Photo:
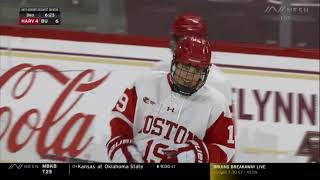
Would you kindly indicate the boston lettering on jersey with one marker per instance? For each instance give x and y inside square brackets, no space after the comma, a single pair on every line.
[162,127]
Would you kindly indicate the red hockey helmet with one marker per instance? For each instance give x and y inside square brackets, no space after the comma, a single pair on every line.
[189,25]
[190,65]
[194,51]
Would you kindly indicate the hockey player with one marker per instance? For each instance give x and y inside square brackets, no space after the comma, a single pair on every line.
[173,117]
[193,25]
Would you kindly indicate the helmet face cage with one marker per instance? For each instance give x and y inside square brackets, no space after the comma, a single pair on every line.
[178,78]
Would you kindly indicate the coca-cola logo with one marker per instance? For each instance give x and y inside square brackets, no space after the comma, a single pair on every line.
[55,114]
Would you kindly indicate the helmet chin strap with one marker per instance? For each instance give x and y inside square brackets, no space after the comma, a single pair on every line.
[173,46]
[183,90]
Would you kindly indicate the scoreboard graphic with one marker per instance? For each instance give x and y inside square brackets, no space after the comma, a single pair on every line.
[39,16]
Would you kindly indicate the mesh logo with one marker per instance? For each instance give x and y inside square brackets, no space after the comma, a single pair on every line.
[15,166]
[286,10]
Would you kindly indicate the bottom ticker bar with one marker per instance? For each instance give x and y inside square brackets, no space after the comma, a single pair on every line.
[169,171]
[106,169]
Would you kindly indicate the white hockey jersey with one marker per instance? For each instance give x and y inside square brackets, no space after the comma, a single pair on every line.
[153,118]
